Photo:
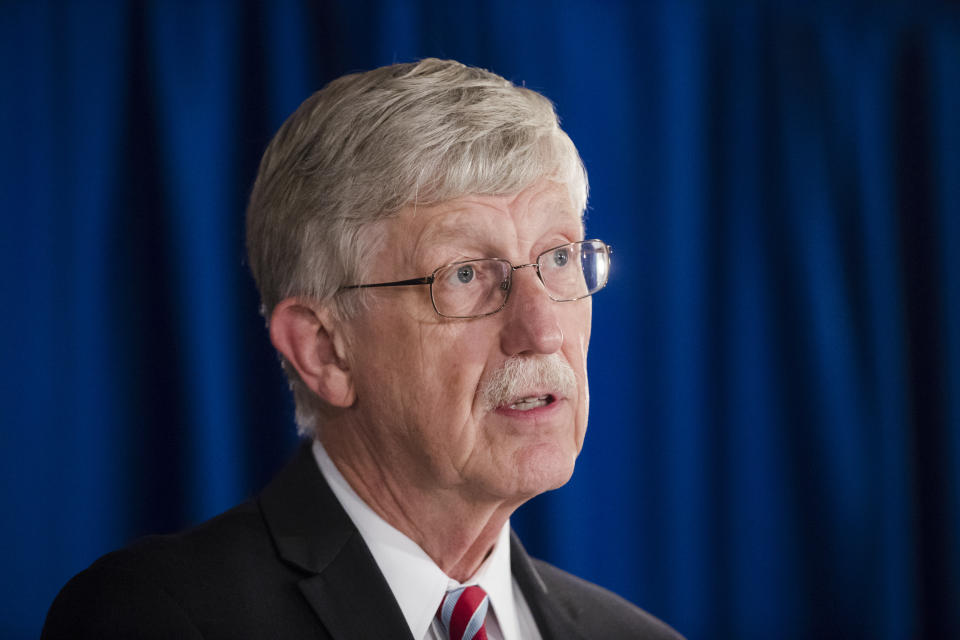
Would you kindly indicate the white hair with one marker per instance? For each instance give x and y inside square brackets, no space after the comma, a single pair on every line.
[369,144]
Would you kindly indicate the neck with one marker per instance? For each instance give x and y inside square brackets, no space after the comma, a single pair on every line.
[458,532]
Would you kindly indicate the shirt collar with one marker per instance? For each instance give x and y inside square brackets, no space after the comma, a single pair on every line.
[417,583]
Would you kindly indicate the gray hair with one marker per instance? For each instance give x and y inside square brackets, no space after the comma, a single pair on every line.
[369,144]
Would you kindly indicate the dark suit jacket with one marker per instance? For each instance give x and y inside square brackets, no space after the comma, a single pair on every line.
[291,564]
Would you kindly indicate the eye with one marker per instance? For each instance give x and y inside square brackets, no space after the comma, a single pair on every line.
[465,273]
[561,256]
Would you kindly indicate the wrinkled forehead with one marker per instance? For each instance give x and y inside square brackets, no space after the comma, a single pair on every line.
[529,213]
[507,226]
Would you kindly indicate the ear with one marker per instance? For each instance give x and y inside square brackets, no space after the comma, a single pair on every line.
[311,340]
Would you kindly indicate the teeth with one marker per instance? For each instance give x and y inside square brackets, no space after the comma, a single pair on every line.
[526,404]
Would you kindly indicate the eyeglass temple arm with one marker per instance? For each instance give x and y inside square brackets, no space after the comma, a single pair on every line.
[398,283]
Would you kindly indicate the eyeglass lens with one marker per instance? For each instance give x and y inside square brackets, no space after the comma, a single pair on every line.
[479,287]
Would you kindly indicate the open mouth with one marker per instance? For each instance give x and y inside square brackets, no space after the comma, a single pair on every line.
[532,402]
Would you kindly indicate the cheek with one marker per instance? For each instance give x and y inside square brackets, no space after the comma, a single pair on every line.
[448,366]
[586,323]
[388,363]
[576,335]
[456,364]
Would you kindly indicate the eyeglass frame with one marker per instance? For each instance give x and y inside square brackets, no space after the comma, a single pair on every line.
[429,280]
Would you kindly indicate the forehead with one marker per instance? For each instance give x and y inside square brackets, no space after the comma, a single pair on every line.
[542,212]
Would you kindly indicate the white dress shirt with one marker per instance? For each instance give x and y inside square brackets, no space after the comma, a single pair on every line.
[418,584]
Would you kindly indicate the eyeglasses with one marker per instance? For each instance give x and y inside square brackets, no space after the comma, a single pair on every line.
[481,287]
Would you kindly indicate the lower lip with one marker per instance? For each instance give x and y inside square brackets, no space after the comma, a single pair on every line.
[531,414]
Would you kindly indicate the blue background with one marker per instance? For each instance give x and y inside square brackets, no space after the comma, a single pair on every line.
[775,426]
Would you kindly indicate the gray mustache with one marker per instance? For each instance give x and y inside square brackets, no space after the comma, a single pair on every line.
[520,374]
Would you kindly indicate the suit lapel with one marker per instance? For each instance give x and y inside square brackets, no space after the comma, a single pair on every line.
[343,584]
[553,620]
[353,599]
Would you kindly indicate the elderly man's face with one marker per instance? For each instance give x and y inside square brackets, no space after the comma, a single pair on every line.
[419,376]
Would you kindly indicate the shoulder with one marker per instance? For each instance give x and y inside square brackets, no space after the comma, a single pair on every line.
[174,585]
[224,546]
[595,608]
[109,600]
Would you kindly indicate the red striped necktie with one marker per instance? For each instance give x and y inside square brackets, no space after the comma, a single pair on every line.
[463,612]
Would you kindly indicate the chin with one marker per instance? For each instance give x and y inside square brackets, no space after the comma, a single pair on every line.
[543,468]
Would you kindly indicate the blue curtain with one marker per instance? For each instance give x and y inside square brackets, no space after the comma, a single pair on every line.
[774,449]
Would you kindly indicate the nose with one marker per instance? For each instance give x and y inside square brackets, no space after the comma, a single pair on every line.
[531,323]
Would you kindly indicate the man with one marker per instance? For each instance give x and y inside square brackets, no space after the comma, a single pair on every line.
[416,236]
